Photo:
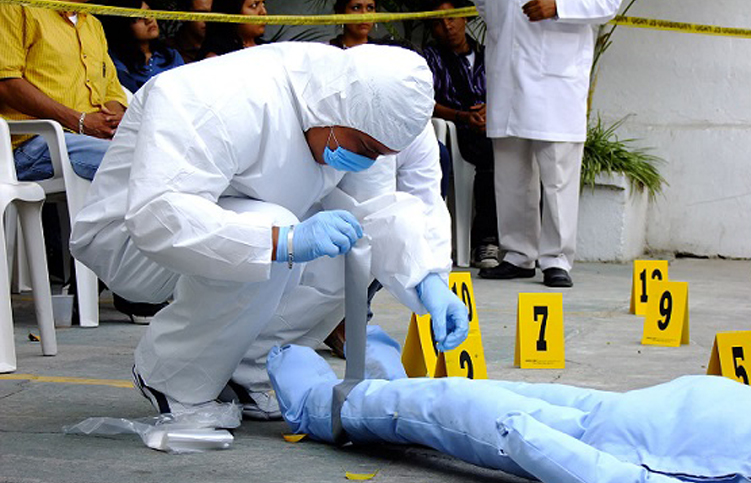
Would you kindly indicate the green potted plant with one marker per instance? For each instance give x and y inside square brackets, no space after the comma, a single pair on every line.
[618,180]
[606,154]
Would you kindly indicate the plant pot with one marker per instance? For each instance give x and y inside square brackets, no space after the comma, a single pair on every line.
[612,221]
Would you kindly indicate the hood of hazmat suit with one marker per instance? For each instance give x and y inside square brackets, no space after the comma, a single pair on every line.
[233,126]
[383,91]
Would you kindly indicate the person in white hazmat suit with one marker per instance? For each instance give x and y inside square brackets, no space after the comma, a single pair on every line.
[693,428]
[310,311]
[205,184]
[538,61]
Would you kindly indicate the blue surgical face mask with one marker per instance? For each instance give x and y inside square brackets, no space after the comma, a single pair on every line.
[345,160]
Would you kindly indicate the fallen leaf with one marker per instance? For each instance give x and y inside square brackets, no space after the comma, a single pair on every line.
[360,476]
[293,438]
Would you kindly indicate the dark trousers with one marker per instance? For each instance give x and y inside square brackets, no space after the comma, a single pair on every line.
[478,150]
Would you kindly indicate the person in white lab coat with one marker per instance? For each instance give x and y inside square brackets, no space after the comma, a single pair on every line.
[207,180]
[538,60]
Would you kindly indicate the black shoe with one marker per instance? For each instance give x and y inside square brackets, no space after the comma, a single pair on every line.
[557,277]
[139,313]
[507,271]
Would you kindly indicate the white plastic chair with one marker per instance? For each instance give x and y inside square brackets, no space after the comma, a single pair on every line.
[27,198]
[66,181]
[463,192]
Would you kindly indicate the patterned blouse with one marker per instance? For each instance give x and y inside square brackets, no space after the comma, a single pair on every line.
[456,84]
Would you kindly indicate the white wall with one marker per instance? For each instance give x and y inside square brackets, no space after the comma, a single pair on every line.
[689,97]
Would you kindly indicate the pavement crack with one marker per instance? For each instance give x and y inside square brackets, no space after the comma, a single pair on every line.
[20,388]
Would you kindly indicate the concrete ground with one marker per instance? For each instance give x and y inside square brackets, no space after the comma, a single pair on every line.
[603,351]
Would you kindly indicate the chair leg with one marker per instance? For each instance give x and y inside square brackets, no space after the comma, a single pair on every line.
[7,342]
[463,203]
[10,229]
[20,276]
[87,285]
[64,220]
[31,223]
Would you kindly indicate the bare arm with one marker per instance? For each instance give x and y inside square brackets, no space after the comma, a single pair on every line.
[274,241]
[115,107]
[24,97]
[450,114]
[475,117]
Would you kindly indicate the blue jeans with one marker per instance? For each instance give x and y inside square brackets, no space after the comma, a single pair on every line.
[33,162]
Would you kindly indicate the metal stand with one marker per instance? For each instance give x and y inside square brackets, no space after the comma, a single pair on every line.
[356,278]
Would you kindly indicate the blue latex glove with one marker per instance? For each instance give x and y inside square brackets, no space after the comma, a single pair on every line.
[448,313]
[329,233]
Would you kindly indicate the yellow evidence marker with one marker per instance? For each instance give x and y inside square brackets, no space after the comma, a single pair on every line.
[420,356]
[539,331]
[666,322]
[645,271]
[731,356]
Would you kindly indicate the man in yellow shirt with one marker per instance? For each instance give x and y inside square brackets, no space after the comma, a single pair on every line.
[54,65]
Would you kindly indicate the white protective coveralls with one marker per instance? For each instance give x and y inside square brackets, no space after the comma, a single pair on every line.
[206,160]
[310,311]
[691,429]
[538,80]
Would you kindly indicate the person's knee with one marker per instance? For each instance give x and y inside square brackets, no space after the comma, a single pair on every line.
[86,153]
[32,159]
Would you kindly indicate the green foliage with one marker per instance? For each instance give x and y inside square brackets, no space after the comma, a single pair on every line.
[605,153]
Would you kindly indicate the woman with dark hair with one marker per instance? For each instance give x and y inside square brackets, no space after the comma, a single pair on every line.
[189,37]
[135,47]
[222,38]
[353,33]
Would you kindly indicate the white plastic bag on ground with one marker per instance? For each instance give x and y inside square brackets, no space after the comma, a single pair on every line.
[189,432]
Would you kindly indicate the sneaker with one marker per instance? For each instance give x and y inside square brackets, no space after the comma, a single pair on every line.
[212,413]
[139,313]
[506,271]
[141,319]
[258,406]
[485,256]
[557,278]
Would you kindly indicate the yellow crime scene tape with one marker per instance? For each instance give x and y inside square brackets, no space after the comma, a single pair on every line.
[635,22]
[67,380]
[253,19]
[691,28]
